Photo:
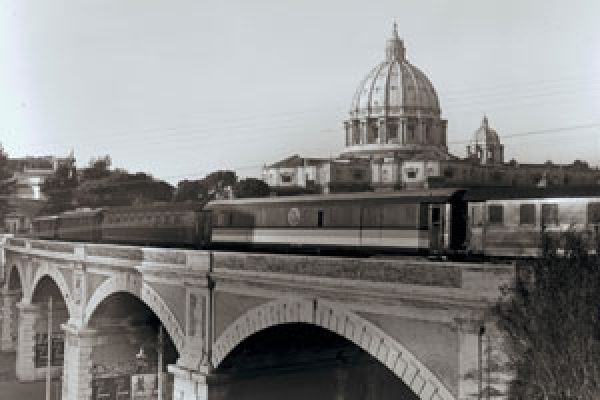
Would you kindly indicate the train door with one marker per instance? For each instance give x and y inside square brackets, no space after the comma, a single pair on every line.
[436,227]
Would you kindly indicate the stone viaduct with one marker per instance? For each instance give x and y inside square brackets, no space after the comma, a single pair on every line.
[418,319]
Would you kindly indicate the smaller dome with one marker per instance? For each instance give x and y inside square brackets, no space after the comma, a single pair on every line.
[485,134]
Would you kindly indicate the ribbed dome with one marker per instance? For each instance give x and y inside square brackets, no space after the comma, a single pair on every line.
[395,87]
[395,111]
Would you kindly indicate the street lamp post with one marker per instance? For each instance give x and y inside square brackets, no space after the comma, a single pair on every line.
[159,369]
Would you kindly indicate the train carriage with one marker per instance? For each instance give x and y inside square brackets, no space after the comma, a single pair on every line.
[170,224]
[510,222]
[44,227]
[418,221]
[79,225]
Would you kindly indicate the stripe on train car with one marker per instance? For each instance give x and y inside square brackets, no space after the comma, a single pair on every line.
[341,237]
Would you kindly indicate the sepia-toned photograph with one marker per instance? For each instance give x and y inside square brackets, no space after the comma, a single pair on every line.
[324,200]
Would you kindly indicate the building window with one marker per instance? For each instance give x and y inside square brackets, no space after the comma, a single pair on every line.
[286,178]
[527,214]
[549,214]
[496,214]
[412,173]
[320,218]
[392,133]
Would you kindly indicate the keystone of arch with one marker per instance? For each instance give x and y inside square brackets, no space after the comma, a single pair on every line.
[146,294]
[333,317]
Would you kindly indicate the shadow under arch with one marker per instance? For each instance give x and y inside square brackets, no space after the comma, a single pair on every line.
[147,295]
[14,278]
[392,354]
[58,279]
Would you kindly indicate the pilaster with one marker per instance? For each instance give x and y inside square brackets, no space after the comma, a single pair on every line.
[77,368]
[192,385]
[25,364]
[8,330]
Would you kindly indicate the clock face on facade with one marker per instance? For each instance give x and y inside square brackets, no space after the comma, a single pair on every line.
[293,216]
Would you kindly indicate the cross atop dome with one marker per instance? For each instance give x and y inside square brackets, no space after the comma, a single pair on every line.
[395,47]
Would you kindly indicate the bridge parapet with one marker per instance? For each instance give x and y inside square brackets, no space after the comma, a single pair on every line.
[113,255]
[468,281]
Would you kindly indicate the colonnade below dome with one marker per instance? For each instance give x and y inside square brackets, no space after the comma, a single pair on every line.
[369,134]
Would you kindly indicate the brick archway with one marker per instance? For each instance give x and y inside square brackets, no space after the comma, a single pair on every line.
[145,294]
[345,323]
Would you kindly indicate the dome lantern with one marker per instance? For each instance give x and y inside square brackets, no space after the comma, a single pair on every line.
[395,47]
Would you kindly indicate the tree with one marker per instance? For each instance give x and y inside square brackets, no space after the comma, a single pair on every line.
[59,189]
[214,185]
[251,187]
[551,322]
[98,168]
[121,188]
[7,184]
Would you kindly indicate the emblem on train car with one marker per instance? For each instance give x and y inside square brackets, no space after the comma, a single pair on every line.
[293,216]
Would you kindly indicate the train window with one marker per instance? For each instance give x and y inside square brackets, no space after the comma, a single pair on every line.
[549,214]
[593,213]
[320,218]
[495,214]
[527,214]
[436,216]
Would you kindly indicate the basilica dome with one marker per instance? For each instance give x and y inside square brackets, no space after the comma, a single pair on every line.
[395,109]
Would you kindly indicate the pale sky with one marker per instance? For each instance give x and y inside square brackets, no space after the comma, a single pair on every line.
[181,88]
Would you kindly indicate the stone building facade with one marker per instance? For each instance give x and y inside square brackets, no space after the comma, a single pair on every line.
[29,174]
[395,138]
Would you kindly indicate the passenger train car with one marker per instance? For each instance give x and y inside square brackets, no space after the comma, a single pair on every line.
[501,222]
[509,222]
[407,221]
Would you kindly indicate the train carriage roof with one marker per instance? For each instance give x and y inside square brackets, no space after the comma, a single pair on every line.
[157,207]
[45,218]
[81,213]
[404,196]
[514,193]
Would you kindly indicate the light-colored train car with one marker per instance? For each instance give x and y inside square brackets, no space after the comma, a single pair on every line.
[415,221]
[511,222]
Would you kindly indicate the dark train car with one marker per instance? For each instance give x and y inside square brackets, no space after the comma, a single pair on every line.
[44,227]
[170,224]
[79,225]
[415,221]
[508,222]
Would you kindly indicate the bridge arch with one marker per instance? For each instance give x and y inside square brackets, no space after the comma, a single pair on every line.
[58,278]
[145,294]
[391,353]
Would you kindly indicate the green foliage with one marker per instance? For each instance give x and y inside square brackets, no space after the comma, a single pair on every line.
[59,189]
[213,186]
[7,185]
[551,322]
[98,168]
[251,187]
[121,188]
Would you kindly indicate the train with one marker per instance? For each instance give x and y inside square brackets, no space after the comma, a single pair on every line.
[483,222]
